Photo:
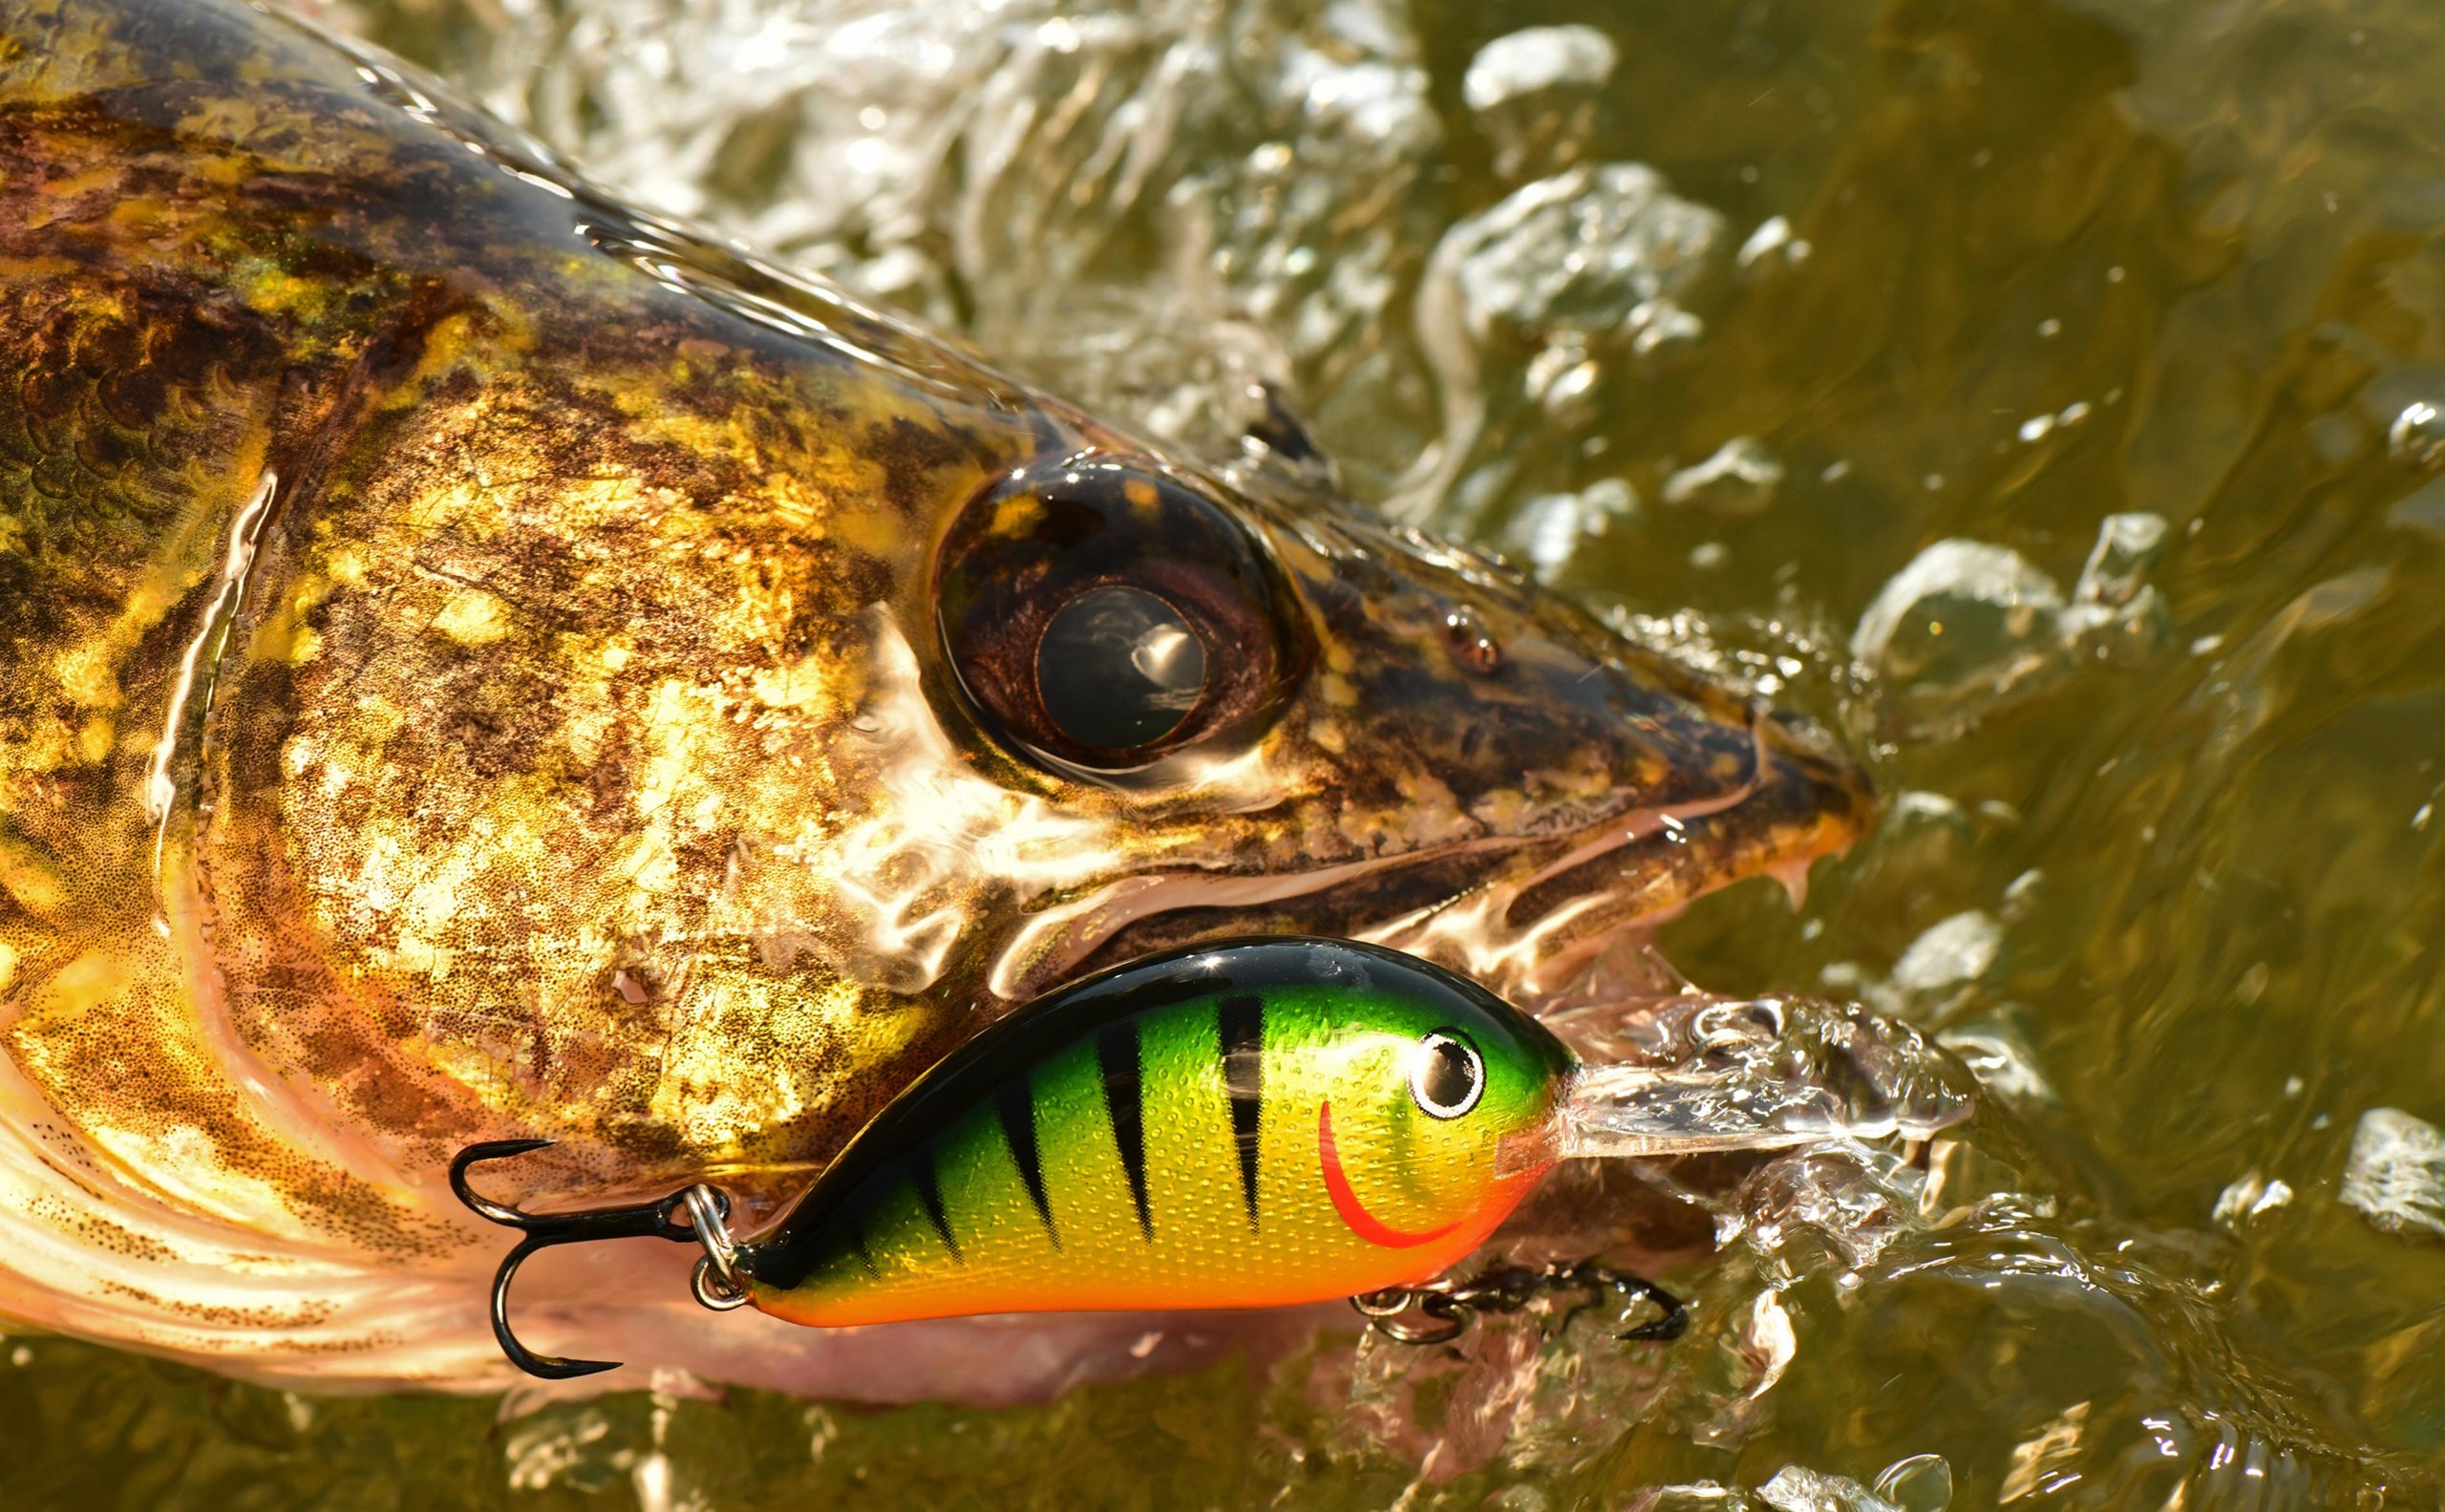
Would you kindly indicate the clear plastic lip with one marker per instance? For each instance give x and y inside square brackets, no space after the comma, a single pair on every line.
[1696,1074]
[1527,1151]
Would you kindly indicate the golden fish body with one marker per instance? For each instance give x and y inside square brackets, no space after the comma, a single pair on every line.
[474,664]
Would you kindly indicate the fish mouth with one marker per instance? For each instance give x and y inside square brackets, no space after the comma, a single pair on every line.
[1795,804]
[1353,1212]
[1526,916]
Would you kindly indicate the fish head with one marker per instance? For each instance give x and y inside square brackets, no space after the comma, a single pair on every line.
[1280,711]
[680,785]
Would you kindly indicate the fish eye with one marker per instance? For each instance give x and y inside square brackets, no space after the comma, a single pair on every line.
[1102,615]
[1449,1076]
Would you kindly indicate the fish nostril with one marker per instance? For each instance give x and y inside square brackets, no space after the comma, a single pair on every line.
[1473,645]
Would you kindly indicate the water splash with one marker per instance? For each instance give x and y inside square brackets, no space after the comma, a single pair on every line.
[1969,627]
[1537,93]
[1590,270]
[1963,627]
[1739,479]
[2395,1175]
[1706,1073]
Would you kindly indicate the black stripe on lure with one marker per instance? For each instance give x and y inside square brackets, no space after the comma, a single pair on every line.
[1244,1124]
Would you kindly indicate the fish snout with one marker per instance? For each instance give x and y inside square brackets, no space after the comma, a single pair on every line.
[1441,671]
[1595,783]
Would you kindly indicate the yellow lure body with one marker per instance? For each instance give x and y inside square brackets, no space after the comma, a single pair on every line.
[1254,1123]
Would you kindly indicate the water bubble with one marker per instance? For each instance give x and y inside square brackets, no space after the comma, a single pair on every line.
[2253,1196]
[2114,614]
[1771,244]
[1537,94]
[1796,1489]
[1562,380]
[1602,248]
[1835,1203]
[1550,528]
[1944,961]
[1996,1046]
[1660,327]
[2127,548]
[2023,896]
[2417,435]
[1962,628]
[1919,1483]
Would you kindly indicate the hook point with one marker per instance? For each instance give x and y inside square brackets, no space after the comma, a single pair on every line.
[474,1155]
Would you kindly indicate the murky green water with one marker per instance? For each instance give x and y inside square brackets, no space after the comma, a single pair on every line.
[2162,856]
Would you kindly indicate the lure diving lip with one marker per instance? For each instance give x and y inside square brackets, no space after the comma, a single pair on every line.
[1247,1123]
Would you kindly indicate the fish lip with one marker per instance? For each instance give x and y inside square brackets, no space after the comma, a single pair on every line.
[1564,900]
[1527,937]
[1345,1202]
[1522,964]
[1796,803]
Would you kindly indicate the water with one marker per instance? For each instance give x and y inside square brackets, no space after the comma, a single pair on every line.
[2045,393]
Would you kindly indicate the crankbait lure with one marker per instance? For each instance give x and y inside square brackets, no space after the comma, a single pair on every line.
[1238,1125]
[1244,1124]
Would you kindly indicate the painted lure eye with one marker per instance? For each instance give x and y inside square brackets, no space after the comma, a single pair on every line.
[1449,1076]
[1102,615]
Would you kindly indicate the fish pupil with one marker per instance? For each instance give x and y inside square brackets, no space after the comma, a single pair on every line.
[1119,667]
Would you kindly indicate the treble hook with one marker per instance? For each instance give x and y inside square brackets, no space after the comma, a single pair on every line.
[1449,1307]
[717,1283]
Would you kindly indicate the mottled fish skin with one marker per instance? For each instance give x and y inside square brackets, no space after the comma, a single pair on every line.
[468,669]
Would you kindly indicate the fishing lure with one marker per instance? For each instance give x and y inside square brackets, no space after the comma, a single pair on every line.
[1246,1124]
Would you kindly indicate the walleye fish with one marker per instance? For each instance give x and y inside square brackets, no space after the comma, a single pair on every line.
[480,662]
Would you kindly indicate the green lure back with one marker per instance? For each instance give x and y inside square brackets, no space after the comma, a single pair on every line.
[1243,1124]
